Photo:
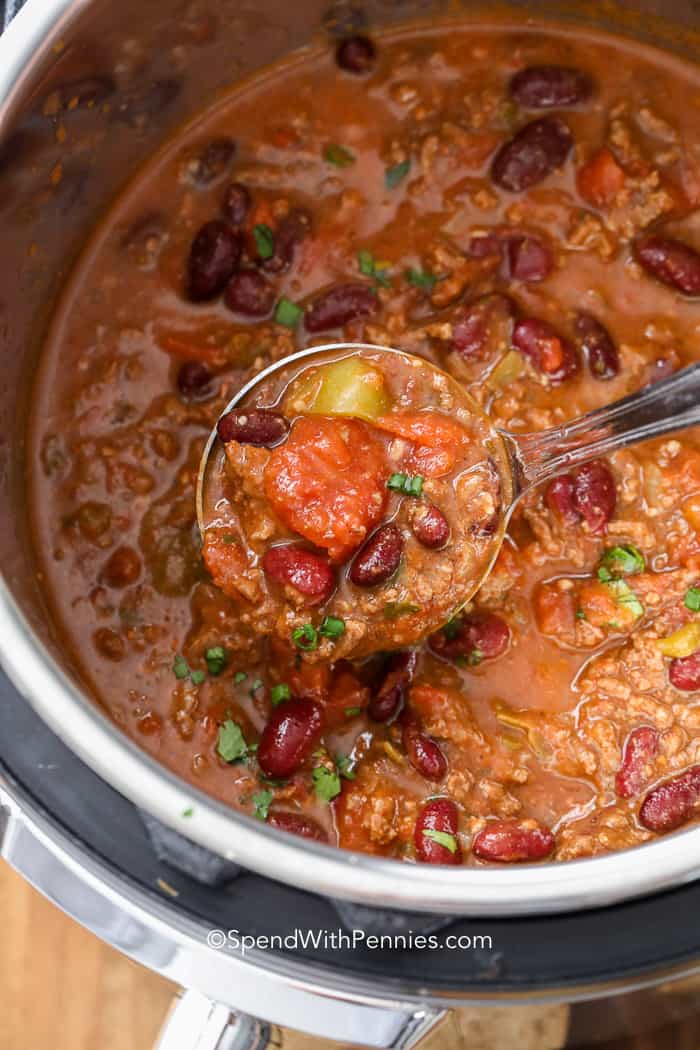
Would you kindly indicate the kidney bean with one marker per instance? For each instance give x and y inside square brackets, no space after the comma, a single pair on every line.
[508,842]
[684,673]
[430,527]
[531,155]
[308,573]
[474,637]
[379,558]
[250,293]
[193,379]
[236,204]
[441,815]
[559,497]
[297,824]
[122,568]
[356,54]
[291,230]
[214,257]
[672,803]
[528,258]
[386,702]
[252,426]
[212,162]
[339,305]
[595,495]
[289,737]
[545,87]
[641,747]
[670,261]
[424,754]
[551,354]
[598,346]
[483,328]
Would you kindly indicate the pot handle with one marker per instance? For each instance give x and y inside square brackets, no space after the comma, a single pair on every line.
[194,1022]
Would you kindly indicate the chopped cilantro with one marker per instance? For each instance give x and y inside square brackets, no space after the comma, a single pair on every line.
[261,801]
[443,838]
[625,597]
[692,599]
[240,676]
[180,668]
[197,677]
[332,627]
[288,313]
[371,268]
[229,540]
[339,156]
[421,279]
[344,765]
[352,712]
[256,684]
[189,812]
[326,783]
[580,614]
[452,629]
[264,240]
[475,657]
[408,484]
[396,174]
[279,693]
[216,659]
[231,744]
[625,560]
[305,638]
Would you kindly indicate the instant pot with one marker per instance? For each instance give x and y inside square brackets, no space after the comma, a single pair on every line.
[260,928]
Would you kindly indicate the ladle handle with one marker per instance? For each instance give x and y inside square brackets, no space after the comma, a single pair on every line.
[668,406]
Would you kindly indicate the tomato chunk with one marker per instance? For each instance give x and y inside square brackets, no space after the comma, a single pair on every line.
[437,441]
[327,482]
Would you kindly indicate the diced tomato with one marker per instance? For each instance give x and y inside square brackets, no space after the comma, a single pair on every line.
[327,482]
[228,565]
[437,441]
[346,693]
[600,179]
[190,349]
[555,610]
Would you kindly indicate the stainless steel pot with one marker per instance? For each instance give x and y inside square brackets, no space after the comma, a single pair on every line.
[153,77]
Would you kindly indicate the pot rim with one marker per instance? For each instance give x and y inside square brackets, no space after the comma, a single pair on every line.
[326,870]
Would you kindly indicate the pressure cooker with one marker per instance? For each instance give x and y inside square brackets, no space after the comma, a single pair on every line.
[258,927]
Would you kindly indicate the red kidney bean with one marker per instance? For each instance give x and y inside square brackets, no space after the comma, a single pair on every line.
[122,568]
[485,245]
[641,747]
[551,354]
[424,754]
[597,344]
[672,803]
[356,54]
[546,87]
[474,637]
[684,673]
[308,573]
[194,379]
[289,737]
[528,258]
[339,305]
[483,328]
[559,497]
[532,154]
[670,261]
[379,558]
[214,257]
[236,204]
[297,824]
[213,161]
[386,702]
[291,230]
[595,495]
[250,293]
[508,841]
[430,527]
[441,815]
[252,426]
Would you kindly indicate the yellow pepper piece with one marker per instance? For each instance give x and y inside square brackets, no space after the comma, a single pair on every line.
[349,387]
[682,642]
[508,369]
[393,753]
